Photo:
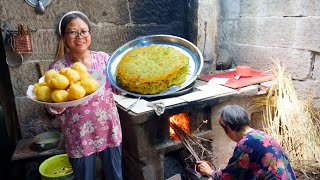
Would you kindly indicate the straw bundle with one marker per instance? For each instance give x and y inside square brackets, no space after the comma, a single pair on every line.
[294,123]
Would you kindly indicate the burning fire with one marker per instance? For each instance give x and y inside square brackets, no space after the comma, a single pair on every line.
[181,120]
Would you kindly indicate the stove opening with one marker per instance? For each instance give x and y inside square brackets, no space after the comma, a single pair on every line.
[179,162]
[186,121]
[182,120]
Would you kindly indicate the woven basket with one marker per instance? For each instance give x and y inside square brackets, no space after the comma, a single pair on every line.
[22,44]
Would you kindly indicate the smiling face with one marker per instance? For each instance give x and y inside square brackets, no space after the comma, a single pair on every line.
[79,44]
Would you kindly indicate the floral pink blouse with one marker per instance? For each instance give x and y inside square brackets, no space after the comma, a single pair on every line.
[94,126]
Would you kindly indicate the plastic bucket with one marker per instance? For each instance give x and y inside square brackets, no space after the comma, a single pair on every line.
[57,167]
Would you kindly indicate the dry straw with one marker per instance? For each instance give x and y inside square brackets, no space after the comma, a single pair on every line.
[293,122]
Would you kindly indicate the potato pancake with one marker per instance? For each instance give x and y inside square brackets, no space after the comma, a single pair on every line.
[152,69]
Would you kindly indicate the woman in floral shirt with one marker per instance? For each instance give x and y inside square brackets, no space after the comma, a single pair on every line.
[256,156]
[93,127]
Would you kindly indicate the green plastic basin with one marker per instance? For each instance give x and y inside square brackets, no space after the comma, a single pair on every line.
[56,167]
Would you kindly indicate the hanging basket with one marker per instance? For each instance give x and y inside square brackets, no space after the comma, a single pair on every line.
[22,44]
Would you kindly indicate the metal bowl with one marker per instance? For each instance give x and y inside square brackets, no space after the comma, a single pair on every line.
[183,45]
[46,140]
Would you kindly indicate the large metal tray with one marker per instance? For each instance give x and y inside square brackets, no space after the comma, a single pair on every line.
[183,45]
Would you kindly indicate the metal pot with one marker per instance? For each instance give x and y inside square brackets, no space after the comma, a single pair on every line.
[46,140]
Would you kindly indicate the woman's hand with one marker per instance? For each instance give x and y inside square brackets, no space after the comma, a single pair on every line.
[59,110]
[205,168]
[116,91]
[55,110]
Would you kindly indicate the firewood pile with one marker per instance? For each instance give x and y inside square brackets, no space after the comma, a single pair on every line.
[193,144]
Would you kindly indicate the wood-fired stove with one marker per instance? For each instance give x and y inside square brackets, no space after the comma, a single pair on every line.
[146,136]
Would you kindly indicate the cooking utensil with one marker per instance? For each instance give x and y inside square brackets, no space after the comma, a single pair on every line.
[34,3]
[237,77]
[20,29]
[46,140]
[183,45]
[40,8]
[14,59]
[256,77]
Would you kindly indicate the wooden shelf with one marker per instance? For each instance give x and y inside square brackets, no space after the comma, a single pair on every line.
[25,150]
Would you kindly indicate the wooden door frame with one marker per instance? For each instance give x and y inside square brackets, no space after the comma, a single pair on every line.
[7,99]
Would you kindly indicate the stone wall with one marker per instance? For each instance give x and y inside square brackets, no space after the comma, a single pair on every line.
[114,22]
[255,32]
[222,145]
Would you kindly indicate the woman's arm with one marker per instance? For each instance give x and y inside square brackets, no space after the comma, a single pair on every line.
[238,163]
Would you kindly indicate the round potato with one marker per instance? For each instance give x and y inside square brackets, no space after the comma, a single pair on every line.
[37,85]
[58,81]
[49,74]
[58,96]
[43,93]
[90,85]
[81,69]
[72,75]
[76,91]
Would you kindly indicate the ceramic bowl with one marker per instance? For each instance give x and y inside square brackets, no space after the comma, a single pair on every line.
[245,71]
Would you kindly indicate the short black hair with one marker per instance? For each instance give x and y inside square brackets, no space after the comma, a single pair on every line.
[235,117]
[70,17]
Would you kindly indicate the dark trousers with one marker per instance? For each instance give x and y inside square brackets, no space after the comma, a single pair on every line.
[84,168]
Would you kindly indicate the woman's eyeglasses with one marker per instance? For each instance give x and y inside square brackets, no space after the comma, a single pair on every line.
[74,34]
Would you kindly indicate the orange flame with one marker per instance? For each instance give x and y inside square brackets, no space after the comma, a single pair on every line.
[182,120]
